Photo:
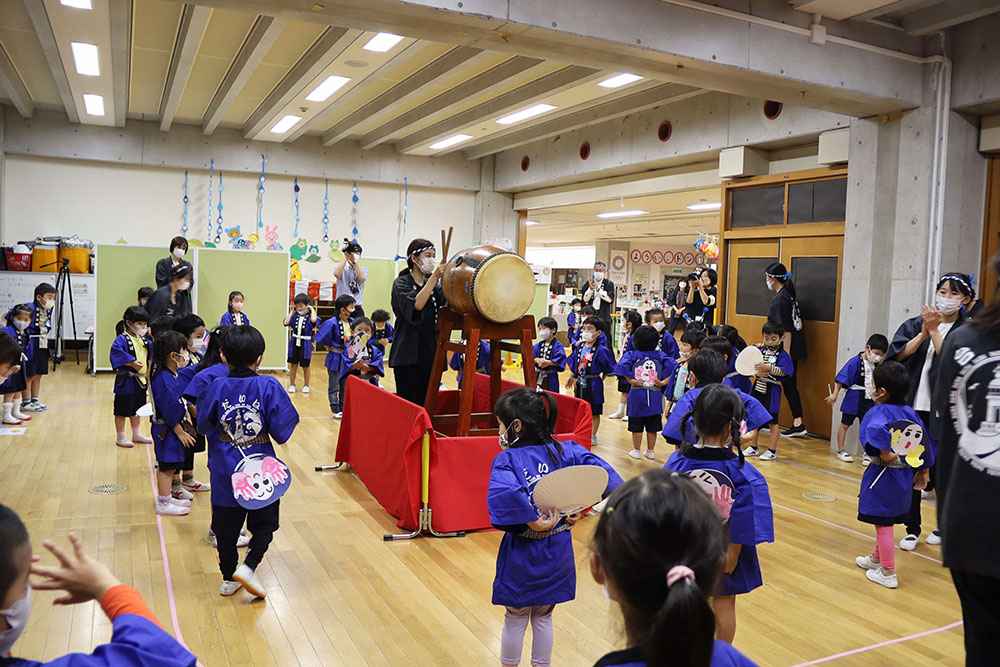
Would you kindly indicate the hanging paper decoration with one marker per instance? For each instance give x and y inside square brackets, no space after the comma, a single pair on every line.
[406,208]
[211,173]
[218,221]
[295,187]
[354,212]
[708,245]
[184,227]
[326,212]
[260,192]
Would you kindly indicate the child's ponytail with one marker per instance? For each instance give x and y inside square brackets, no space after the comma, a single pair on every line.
[682,631]
[166,343]
[737,428]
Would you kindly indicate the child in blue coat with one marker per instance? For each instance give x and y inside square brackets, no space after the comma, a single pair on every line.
[18,321]
[738,490]
[362,358]
[129,358]
[589,364]
[234,315]
[856,378]
[242,414]
[535,566]
[573,320]
[302,321]
[902,452]
[776,367]
[656,552]
[647,371]
[631,321]
[41,325]
[172,429]
[383,332]
[668,344]
[457,361]
[550,355]
[336,334]
[678,384]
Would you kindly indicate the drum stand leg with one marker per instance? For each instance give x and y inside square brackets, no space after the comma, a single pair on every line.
[424,518]
[335,466]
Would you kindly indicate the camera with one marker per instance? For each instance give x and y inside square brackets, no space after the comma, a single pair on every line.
[692,277]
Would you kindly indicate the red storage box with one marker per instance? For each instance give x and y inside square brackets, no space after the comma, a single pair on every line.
[19,261]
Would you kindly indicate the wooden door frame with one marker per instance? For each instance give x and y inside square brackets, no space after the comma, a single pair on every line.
[991,228]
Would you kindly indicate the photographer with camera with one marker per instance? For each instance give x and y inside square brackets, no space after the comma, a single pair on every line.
[351,277]
[701,295]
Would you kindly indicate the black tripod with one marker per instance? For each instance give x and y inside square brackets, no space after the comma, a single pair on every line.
[63,285]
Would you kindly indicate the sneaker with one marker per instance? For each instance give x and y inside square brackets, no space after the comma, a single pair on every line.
[635,453]
[617,414]
[180,502]
[179,492]
[338,415]
[650,454]
[909,543]
[122,440]
[142,439]
[229,587]
[249,579]
[243,540]
[934,537]
[16,414]
[880,577]
[14,422]
[750,451]
[768,455]
[866,461]
[795,431]
[305,389]
[194,486]
[169,509]
[34,405]
[844,456]
[210,539]
[868,563]
[593,441]
[291,389]
[927,495]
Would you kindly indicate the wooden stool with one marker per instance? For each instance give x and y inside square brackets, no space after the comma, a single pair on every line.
[474,329]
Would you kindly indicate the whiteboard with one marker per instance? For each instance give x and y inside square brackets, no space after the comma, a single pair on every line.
[19,287]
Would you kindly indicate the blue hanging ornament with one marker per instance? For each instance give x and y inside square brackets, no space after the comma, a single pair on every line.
[184,227]
[218,229]
[260,191]
[354,212]
[406,209]
[326,212]
[295,187]
[211,173]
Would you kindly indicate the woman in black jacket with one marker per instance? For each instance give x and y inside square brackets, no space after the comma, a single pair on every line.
[966,422]
[173,298]
[178,248]
[784,310]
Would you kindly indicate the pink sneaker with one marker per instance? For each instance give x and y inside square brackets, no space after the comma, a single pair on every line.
[141,439]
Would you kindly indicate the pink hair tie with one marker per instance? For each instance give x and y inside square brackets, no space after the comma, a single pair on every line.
[679,572]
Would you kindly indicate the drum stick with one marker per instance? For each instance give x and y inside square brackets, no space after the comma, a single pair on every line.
[446,243]
[878,478]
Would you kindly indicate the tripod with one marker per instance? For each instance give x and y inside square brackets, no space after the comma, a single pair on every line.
[63,285]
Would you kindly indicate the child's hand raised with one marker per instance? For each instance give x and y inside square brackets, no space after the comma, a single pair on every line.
[82,578]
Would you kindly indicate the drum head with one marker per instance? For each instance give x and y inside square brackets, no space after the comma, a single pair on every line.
[503,288]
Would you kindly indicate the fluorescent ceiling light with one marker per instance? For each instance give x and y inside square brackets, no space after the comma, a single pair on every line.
[331,85]
[450,141]
[88,62]
[94,104]
[530,222]
[622,214]
[524,114]
[285,124]
[619,81]
[705,206]
[77,4]
[382,42]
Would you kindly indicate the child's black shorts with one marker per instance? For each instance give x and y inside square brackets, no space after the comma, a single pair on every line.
[623,385]
[650,424]
[863,407]
[126,405]
[297,357]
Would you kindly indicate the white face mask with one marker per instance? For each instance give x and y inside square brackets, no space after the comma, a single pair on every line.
[544,334]
[50,304]
[947,304]
[504,442]
[198,344]
[185,286]
[427,265]
[17,619]
[770,285]
[21,325]
[659,326]
[185,360]
[684,355]
[140,331]
[577,309]
[179,252]
[588,336]
[237,306]
[875,358]
[598,275]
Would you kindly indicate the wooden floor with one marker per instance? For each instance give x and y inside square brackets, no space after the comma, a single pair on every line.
[339,595]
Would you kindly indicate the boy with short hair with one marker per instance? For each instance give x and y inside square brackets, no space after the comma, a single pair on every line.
[550,355]
[776,367]
[301,321]
[38,331]
[856,377]
[655,318]
[589,364]
[362,358]
[336,334]
[677,386]
[382,333]
[647,370]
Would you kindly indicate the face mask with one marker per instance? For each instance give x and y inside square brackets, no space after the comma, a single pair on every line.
[684,355]
[238,306]
[875,358]
[504,443]
[427,265]
[185,286]
[947,305]
[576,309]
[659,326]
[178,252]
[140,331]
[185,360]
[770,287]
[17,619]
[598,276]
[21,325]
[50,304]
[587,336]
[544,334]
[198,344]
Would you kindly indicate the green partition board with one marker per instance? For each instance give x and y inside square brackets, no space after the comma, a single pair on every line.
[121,271]
[378,287]
[263,279]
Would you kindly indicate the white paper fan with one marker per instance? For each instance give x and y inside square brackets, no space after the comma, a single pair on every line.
[571,489]
[748,359]
[145,411]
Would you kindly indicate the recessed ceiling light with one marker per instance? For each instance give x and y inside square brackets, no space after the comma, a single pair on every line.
[705,206]
[524,114]
[622,214]
[94,104]
[77,4]
[619,80]
[382,42]
[285,124]
[329,86]
[88,61]
[530,222]
[450,141]
[357,64]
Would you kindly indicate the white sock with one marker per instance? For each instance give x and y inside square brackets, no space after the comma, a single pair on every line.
[7,417]
[16,410]
[163,500]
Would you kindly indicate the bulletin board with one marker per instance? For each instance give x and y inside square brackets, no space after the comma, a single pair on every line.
[19,287]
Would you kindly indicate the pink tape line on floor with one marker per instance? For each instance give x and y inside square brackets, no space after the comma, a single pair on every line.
[849,530]
[890,642]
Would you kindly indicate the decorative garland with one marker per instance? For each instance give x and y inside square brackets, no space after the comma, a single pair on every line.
[184,227]
[211,173]
[326,212]
[218,229]
[354,212]
[295,187]
[260,192]
[406,209]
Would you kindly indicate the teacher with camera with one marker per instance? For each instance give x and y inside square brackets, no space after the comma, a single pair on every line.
[351,277]
[600,294]
[700,302]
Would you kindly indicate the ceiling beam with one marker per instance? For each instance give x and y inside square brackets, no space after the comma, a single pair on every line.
[258,42]
[194,20]
[893,7]
[392,99]
[43,29]
[121,40]
[13,86]
[667,93]
[946,14]
[477,85]
[529,93]
[324,51]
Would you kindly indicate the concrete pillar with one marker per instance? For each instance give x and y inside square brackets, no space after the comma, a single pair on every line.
[494,213]
[964,197]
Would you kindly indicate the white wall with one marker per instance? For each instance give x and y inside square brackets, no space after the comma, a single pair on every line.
[105,202]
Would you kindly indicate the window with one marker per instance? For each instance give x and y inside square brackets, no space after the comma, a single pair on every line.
[817,201]
[752,295]
[816,287]
[758,207]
